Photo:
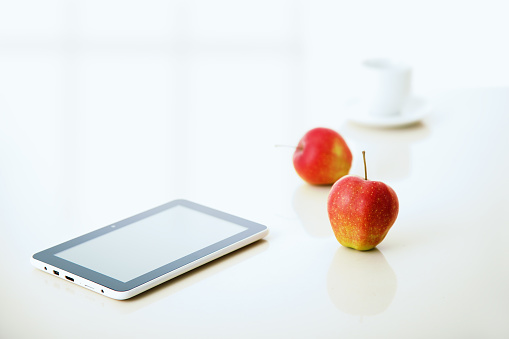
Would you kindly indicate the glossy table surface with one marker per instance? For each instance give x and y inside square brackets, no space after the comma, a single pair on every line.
[442,271]
[91,135]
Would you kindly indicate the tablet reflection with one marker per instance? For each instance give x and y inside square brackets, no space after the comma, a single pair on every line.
[361,282]
[165,289]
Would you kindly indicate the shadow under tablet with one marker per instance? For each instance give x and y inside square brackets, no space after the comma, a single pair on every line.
[198,274]
[164,290]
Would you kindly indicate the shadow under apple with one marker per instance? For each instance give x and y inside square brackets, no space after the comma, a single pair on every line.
[361,282]
[310,205]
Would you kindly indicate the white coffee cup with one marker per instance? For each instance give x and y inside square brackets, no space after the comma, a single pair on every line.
[385,86]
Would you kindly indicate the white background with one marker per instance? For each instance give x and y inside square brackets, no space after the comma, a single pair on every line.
[109,108]
[94,90]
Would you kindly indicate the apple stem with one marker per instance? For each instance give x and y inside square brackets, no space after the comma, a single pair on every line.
[365,168]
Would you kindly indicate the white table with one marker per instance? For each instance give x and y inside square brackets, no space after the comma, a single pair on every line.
[442,271]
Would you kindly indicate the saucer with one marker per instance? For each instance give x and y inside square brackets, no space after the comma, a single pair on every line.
[414,111]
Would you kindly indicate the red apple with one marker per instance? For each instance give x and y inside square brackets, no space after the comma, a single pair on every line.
[361,211]
[322,157]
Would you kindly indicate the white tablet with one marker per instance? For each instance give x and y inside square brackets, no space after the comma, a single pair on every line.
[133,255]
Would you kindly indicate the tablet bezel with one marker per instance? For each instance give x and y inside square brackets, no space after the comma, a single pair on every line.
[252,229]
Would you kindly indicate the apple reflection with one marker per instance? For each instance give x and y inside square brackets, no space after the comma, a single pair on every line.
[361,282]
[310,205]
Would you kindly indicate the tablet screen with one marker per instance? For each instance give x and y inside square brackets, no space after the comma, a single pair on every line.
[149,243]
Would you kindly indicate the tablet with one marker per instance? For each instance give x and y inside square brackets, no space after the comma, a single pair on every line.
[133,255]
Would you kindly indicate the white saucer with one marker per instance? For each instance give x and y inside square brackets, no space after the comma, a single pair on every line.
[414,111]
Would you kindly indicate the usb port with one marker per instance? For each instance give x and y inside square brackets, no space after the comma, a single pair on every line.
[56,272]
[69,278]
